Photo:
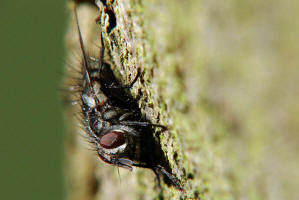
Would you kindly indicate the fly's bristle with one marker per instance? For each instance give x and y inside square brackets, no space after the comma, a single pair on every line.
[85,66]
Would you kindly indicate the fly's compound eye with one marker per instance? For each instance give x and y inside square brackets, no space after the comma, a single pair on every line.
[112,140]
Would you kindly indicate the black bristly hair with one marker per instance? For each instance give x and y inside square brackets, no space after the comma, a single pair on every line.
[113,121]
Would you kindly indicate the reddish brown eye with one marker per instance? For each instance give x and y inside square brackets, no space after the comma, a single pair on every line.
[112,140]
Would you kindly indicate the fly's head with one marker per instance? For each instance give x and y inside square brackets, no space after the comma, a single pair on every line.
[115,143]
[116,146]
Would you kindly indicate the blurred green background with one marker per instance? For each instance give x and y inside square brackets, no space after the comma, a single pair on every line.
[32,60]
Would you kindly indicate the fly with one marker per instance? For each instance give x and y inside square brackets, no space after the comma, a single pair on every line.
[113,121]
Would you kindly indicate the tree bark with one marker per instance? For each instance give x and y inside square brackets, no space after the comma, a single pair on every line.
[190,82]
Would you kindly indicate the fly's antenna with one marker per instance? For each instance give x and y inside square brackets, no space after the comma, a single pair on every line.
[85,63]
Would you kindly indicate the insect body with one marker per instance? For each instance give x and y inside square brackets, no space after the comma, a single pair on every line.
[113,121]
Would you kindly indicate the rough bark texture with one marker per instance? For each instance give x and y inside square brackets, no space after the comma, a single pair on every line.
[212,73]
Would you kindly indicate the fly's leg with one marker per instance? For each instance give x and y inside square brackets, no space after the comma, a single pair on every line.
[120,162]
[159,170]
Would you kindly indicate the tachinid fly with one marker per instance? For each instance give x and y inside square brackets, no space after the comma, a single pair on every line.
[113,121]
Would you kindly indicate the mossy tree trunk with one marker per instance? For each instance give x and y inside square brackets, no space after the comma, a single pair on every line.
[195,66]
